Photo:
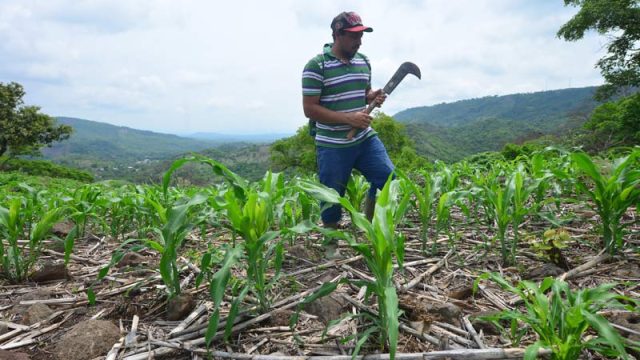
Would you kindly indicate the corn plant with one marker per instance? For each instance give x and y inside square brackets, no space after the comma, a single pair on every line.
[83,206]
[611,195]
[253,220]
[17,260]
[356,190]
[384,243]
[424,198]
[217,286]
[177,225]
[561,317]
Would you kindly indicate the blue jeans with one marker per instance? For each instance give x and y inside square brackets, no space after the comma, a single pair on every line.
[335,165]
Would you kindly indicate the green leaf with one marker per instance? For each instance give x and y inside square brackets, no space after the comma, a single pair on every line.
[391,308]
[531,352]
[68,244]
[91,296]
[605,330]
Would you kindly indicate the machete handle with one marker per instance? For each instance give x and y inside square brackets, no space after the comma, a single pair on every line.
[369,109]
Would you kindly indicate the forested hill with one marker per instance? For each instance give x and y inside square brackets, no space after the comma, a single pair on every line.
[521,107]
[455,130]
[91,139]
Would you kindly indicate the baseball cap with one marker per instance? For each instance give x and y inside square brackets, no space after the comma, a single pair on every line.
[349,21]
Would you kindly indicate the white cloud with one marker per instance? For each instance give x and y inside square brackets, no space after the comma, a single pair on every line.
[196,65]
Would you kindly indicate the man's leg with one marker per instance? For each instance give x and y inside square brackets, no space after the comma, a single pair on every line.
[334,169]
[374,163]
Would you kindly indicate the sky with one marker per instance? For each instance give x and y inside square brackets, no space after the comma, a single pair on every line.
[234,67]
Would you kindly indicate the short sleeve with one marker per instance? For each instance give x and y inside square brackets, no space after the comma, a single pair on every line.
[312,78]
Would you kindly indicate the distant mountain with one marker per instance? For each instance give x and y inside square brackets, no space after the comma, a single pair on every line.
[452,131]
[118,152]
[96,140]
[232,138]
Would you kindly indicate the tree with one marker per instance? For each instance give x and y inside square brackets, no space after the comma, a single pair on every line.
[620,21]
[23,129]
[296,153]
[400,147]
[614,124]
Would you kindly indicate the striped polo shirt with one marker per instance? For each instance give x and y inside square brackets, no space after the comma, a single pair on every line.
[341,87]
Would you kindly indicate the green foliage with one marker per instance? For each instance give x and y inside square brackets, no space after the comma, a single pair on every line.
[384,244]
[512,151]
[16,224]
[296,153]
[551,245]
[453,131]
[23,129]
[618,20]
[561,317]
[612,194]
[396,140]
[44,168]
[613,124]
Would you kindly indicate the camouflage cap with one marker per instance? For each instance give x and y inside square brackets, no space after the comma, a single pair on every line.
[349,21]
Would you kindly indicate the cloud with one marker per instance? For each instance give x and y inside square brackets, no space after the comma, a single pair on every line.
[231,67]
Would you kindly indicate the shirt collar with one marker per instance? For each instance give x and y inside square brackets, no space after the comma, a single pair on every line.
[327,50]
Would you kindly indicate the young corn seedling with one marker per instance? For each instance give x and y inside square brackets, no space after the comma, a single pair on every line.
[18,260]
[253,219]
[384,244]
[561,317]
[425,197]
[611,195]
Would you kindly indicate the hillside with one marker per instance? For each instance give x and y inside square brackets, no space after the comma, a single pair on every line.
[100,141]
[454,130]
[117,152]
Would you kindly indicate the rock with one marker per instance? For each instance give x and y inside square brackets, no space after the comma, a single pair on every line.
[62,229]
[87,340]
[419,309]
[50,272]
[36,313]
[179,307]
[327,308]
[131,259]
[461,293]
[280,318]
[36,294]
[447,312]
[3,329]
[543,271]
[10,355]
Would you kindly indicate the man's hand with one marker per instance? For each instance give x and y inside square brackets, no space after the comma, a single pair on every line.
[358,120]
[376,96]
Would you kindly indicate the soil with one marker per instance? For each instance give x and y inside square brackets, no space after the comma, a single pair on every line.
[440,301]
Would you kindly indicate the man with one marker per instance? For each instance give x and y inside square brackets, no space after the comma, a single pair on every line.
[336,88]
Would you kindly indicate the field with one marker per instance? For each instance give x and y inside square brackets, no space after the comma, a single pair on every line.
[507,259]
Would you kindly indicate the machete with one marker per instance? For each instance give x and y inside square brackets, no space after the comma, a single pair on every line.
[403,70]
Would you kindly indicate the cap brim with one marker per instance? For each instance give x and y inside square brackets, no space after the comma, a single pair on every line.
[359,28]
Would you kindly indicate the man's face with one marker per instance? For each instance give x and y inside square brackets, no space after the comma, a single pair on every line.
[350,42]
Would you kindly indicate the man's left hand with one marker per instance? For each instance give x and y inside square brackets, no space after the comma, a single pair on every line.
[376,96]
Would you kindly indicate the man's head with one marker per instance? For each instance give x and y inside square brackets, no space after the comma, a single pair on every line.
[348,21]
[347,33]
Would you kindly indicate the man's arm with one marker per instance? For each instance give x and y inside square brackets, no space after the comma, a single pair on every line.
[313,110]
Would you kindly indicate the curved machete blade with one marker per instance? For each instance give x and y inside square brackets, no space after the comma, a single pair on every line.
[403,70]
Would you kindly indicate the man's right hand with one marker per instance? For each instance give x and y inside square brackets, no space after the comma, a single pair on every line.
[359,120]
